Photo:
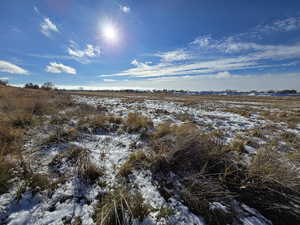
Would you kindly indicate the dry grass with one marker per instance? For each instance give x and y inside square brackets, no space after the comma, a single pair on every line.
[62,135]
[86,170]
[120,207]
[20,110]
[237,145]
[6,174]
[136,160]
[292,118]
[185,148]
[240,111]
[198,196]
[100,123]
[136,122]
[269,168]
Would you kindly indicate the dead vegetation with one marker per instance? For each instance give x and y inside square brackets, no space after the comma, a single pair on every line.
[120,207]
[136,160]
[100,123]
[136,122]
[210,173]
[21,110]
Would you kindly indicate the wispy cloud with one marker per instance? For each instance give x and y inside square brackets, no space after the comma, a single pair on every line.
[125,9]
[176,55]
[8,67]
[36,10]
[82,55]
[109,80]
[246,56]
[282,25]
[47,27]
[211,82]
[54,67]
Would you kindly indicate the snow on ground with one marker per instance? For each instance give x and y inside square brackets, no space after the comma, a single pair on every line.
[109,151]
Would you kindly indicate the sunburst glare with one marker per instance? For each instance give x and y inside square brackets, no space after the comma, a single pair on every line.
[110,33]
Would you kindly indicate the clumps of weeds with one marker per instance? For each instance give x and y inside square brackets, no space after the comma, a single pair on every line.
[295,156]
[136,160]
[38,182]
[6,174]
[289,137]
[59,119]
[292,118]
[71,155]
[209,173]
[136,122]
[22,119]
[257,132]
[162,129]
[120,207]
[185,148]
[88,171]
[35,182]
[62,135]
[269,167]
[240,111]
[237,145]
[185,117]
[165,212]
[100,123]
[200,195]
[10,138]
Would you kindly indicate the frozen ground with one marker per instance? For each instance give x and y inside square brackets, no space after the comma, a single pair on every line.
[74,198]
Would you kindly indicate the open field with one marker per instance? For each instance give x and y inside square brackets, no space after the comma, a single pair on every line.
[124,158]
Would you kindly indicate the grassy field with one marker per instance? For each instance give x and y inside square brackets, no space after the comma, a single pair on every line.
[125,158]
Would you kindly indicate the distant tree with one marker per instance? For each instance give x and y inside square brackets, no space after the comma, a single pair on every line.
[3,82]
[287,92]
[31,86]
[48,86]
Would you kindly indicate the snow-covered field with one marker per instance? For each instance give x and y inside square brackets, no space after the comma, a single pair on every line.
[73,200]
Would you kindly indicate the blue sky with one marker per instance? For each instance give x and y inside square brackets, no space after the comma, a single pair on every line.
[151,44]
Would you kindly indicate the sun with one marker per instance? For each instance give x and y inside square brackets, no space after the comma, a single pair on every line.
[110,33]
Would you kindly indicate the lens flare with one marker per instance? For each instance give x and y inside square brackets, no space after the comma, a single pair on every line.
[110,33]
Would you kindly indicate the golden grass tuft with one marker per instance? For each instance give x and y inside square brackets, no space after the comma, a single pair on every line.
[137,122]
[120,207]
[268,167]
[136,160]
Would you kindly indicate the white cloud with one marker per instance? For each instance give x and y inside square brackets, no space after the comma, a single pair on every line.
[36,10]
[283,25]
[8,67]
[109,80]
[202,41]
[54,67]
[4,78]
[192,68]
[258,57]
[47,27]
[83,55]
[224,74]
[171,56]
[125,9]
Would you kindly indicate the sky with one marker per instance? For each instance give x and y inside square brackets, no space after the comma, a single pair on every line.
[197,45]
